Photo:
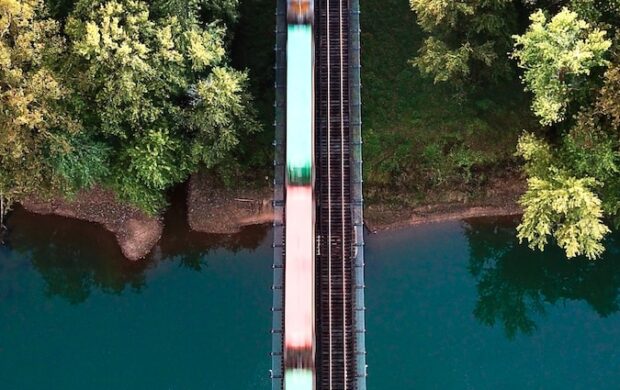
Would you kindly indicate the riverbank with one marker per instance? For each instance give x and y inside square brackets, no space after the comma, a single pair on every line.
[499,198]
[213,209]
[135,232]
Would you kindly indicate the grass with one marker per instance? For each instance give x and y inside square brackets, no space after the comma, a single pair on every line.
[420,139]
[422,144]
[252,49]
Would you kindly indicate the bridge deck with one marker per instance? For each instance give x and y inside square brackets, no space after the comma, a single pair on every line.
[335,341]
[341,354]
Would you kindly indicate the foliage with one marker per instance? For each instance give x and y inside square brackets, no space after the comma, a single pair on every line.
[166,100]
[572,186]
[437,59]
[573,176]
[559,204]
[568,209]
[467,39]
[421,145]
[132,95]
[252,49]
[194,11]
[516,286]
[556,55]
[33,122]
[609,100]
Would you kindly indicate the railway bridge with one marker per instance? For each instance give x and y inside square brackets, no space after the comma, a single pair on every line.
[339,354]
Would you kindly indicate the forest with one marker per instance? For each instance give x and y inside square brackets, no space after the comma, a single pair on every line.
[135,96]
[564,56]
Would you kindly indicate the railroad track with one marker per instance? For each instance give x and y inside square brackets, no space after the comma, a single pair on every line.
[335,352]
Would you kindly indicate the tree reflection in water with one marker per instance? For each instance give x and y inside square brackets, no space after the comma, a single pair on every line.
[515,284]
[189,248]
[74,257]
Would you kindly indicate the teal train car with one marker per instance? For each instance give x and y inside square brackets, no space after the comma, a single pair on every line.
[299,270]
[299,380]
[300,103]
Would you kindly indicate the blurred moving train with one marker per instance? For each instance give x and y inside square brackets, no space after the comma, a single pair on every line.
[299,284]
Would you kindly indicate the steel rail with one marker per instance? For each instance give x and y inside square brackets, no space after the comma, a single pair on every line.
[342,197]
[329,205]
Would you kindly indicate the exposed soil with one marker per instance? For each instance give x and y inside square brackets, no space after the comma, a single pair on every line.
[214,209]
[211,208]
[499,199]
[135,232]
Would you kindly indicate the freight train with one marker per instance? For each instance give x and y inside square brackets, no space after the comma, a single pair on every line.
[299,283]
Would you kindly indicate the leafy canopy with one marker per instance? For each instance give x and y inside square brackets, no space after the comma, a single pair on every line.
[133,96]
[166,100]
[559,205]
[556,55]
[33,122]
[467,39]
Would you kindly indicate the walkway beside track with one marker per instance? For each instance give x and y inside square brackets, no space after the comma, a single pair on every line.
[341,353]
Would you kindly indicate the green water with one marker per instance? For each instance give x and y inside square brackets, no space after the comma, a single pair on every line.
[449,306]
[463,306]
[75,315]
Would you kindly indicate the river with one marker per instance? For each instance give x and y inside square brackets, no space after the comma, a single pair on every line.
[456,305]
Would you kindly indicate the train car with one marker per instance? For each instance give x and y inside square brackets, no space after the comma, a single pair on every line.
[300,12]
[299,284]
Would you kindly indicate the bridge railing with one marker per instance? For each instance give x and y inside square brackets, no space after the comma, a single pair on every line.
[357,198]
[277,329]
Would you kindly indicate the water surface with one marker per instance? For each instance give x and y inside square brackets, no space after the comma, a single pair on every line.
[75,315]
[449,306]
[464,306]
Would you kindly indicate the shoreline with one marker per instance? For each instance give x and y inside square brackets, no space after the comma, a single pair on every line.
[216,210]
[456,214]
[136,233]
[499,198]
[429,214]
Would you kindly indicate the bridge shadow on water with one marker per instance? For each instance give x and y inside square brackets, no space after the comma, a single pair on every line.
[74,258]
[515,285]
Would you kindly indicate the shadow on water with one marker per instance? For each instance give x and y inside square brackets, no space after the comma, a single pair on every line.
[189,247]
[75,257]
[515,284]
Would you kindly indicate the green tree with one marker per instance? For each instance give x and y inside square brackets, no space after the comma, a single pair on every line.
[132,95]
[608,103]
[557,56]
[574,174]
[567,196]
[156,88]
[34,126]
[467,39]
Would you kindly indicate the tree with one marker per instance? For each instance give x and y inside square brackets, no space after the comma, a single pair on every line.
[574,172]
[515,286]
[156,88]
[34,126]
[557,56]
[608,103]
[134,96]
[468,39]
[559,204]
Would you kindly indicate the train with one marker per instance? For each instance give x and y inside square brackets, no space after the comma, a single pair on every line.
[299,279]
